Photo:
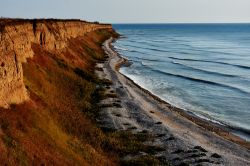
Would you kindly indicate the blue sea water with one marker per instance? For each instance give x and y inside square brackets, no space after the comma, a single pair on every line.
[202,68]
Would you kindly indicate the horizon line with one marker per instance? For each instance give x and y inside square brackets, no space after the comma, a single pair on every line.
[182,23]
[111,22]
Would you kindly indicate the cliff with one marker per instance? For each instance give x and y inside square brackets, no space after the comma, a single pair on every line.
[50,97]
[49,93]
[16,40]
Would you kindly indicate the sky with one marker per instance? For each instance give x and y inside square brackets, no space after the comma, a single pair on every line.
[132,11]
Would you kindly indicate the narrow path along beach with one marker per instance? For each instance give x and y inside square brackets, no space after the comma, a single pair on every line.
[184,138]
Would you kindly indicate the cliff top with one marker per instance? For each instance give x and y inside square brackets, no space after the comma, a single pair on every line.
[17,21]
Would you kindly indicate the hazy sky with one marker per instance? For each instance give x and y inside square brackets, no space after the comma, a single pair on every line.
[131,11]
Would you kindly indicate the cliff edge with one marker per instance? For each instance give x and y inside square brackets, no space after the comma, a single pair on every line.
[16,40]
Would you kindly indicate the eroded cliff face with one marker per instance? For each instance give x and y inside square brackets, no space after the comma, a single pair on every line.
[16,40]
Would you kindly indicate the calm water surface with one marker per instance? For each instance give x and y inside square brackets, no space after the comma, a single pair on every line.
[202,68]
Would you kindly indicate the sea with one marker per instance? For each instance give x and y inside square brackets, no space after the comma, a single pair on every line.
[202,68]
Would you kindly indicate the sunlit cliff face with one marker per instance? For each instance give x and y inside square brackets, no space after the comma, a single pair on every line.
[16,41]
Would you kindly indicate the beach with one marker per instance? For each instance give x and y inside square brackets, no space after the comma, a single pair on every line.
[185,137]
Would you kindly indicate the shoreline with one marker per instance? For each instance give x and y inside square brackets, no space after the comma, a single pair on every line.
[223,131]
[141,110]
[241,134]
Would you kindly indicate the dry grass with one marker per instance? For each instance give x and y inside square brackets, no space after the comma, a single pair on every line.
[57,126]
[54,128]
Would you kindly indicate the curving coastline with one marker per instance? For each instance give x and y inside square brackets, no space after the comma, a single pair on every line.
[197,131]
[219,128]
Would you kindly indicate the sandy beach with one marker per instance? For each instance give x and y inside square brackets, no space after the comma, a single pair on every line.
[185,138]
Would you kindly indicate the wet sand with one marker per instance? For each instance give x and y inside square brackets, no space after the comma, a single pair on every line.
[185,137]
